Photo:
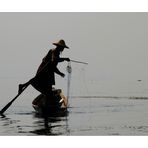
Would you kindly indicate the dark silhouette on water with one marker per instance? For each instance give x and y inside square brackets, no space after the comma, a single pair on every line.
[44,78]
[48,121]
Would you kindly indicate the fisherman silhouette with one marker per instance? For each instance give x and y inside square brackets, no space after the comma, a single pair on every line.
[45,78]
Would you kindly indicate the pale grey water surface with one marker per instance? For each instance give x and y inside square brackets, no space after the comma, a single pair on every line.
[99,115]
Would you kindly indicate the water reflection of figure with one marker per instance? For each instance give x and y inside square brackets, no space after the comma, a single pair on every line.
[50,125]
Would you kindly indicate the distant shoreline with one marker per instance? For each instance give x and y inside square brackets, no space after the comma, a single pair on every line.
[114,97]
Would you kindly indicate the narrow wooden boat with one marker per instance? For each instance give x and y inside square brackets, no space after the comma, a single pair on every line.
[56,105]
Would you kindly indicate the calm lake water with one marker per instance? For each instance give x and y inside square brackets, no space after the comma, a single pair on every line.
[106,115]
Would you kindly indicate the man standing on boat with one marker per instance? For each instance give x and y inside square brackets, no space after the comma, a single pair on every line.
[45,78]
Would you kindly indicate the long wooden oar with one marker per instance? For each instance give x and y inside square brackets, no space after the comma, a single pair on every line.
[8,105]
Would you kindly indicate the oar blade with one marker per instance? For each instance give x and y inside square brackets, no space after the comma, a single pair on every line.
[9,104]
[5,108]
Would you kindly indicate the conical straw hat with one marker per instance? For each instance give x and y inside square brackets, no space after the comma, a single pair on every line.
[61,43]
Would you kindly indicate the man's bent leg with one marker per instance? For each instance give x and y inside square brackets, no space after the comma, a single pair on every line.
[21,86]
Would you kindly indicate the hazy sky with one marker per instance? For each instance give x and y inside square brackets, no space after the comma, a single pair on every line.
[114,44]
